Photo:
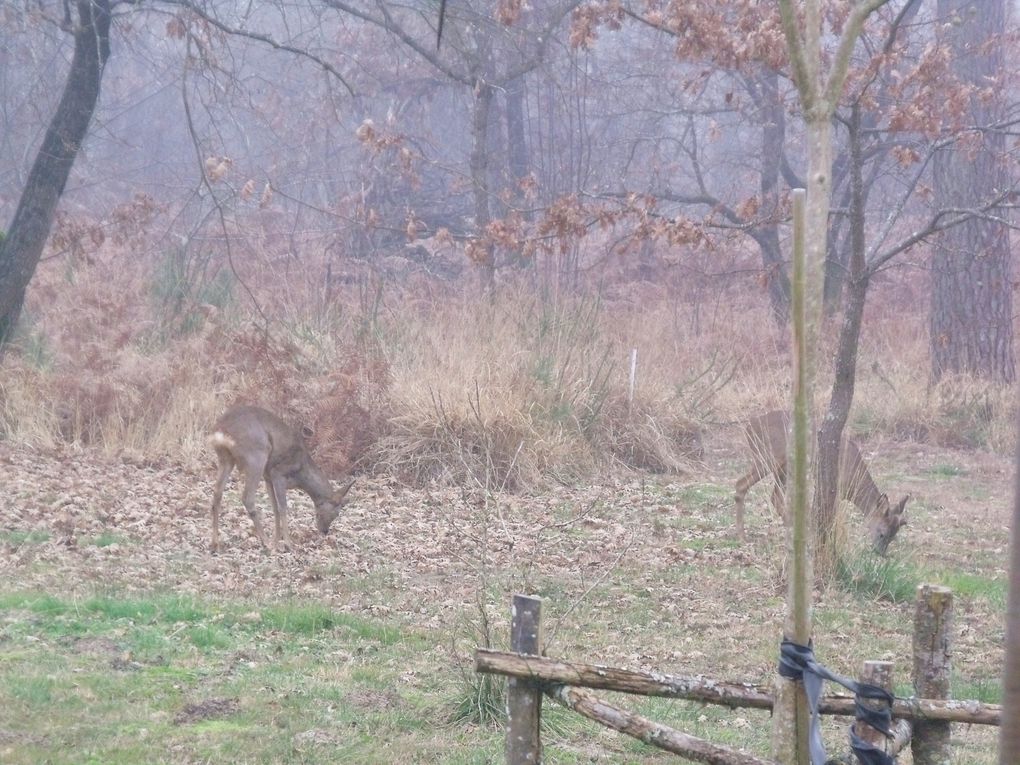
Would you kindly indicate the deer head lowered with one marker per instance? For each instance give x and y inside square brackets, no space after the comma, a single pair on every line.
[768,435]
[263,446]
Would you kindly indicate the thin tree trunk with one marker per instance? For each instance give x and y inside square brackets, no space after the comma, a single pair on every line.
[971,304]
[773,134]
[21,249]
[518,157]
[482,109]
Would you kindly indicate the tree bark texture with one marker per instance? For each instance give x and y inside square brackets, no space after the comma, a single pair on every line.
[23,246]
[971,289]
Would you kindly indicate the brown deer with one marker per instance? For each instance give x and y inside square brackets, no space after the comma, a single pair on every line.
[768,435]
[265,447]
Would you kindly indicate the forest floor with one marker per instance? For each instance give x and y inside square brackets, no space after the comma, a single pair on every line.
[124,640]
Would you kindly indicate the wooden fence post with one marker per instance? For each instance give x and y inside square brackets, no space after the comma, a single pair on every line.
[933,627]
[524,697]
[878,673]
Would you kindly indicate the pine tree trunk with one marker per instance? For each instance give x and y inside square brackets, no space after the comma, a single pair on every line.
[971,299]
[21,249]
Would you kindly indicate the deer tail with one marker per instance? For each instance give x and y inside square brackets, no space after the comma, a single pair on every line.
[220,440]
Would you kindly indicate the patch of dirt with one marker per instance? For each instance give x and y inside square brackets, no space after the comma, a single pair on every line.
[96,646]
[315,737]
[369,699]
[209,709]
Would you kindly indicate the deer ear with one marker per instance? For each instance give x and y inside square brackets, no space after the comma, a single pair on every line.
[343,492]
[901,506]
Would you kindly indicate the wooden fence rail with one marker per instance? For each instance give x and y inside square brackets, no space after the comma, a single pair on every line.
[542,669]
[921,722]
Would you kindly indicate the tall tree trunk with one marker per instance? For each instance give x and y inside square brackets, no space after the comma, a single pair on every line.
[971,299]
[22,247]
[482,109]
[1009,733]
[831,430]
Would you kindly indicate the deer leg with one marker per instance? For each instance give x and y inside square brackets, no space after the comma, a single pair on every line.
[252,475]
[743,486]
[226,466]
[779,499]
[276,509]
[277,488]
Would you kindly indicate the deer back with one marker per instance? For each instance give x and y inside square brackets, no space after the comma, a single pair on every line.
[856,483]
[252,429]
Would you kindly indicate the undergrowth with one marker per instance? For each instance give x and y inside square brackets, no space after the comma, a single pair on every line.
[141,355]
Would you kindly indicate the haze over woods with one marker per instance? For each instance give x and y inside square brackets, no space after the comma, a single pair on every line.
[573,146]
[529,271]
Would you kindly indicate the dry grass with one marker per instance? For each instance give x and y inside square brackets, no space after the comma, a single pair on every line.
[517,391]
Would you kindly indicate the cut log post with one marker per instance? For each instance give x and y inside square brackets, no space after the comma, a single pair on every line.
[880,673]
[933,629]
[523,696]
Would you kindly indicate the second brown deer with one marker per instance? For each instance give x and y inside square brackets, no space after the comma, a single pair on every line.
[768,436]
[265,447]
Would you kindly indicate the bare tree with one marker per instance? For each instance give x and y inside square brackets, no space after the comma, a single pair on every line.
[23,244]
[486,53]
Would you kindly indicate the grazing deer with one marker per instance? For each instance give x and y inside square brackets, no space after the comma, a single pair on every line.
[264,446]
[768,436]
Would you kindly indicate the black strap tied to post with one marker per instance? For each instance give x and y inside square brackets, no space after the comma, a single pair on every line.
[797,662]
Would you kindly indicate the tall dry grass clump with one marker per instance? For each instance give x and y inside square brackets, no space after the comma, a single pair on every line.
[896,397]
[524,389]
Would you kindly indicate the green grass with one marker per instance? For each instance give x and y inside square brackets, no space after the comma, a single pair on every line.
[104,679]
[883,578]
[105,538]
[895,580]
[19,537]
[987,690]
[945,471]
[994,591]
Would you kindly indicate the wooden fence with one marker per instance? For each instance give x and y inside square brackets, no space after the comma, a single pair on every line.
[922,722]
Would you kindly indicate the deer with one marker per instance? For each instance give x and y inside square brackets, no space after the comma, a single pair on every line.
[264,446]
[768,436]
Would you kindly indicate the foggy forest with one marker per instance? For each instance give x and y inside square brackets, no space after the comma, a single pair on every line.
[476,381]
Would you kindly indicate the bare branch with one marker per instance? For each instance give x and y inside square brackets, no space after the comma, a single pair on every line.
[265,39]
